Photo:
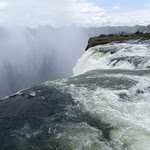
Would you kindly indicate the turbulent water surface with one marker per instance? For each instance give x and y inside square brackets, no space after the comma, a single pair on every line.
[104,106]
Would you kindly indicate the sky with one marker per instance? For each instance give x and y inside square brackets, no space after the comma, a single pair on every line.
[88,13]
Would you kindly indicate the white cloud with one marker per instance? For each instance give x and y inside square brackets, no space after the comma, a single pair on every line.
[140,17]
[87,14]
[116,8]
[66,12]
[3,5]
[57,13]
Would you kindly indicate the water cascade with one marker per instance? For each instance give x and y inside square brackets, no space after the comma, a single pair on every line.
[105,105]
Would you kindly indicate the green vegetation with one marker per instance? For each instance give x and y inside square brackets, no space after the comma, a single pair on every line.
[105,39]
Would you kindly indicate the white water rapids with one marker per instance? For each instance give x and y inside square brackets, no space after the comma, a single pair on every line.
[125,56]
[113,88]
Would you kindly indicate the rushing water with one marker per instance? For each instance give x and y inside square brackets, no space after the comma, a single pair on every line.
[104,106]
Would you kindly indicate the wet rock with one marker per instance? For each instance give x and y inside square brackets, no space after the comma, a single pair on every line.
[136,60]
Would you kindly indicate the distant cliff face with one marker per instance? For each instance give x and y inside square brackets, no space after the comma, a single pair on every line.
[105,39]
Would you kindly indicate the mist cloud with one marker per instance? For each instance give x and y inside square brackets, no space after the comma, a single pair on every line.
[30,56]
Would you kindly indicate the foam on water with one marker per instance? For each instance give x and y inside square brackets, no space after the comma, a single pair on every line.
[123,56]
[126,112]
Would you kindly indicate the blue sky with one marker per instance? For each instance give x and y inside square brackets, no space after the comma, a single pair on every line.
[81,12]
[125,5]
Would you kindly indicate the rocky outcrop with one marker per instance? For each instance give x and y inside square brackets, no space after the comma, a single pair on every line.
[105,39]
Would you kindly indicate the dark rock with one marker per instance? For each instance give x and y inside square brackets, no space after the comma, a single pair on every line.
[136,60]
[102,35]
[110,35]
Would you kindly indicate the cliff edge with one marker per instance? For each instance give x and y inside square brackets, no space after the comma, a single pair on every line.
[105,39]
